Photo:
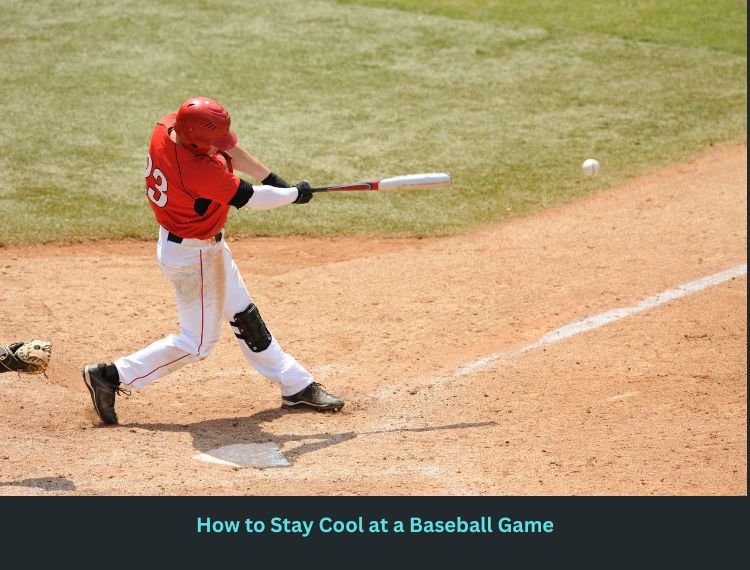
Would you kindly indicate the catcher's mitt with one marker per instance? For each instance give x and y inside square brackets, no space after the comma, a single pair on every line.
[28,357]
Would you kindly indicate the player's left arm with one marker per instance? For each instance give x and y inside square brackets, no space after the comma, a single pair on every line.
[273,192]
[267,197]
[226,187]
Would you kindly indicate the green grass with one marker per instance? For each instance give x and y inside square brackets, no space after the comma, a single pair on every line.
[719,25]
[508,96]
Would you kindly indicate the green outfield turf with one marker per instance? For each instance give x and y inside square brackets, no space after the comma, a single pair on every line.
[510,97]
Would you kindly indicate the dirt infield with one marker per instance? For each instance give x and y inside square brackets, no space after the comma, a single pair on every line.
[651,404]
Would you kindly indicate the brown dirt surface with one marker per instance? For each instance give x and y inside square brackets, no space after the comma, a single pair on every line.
[651,404]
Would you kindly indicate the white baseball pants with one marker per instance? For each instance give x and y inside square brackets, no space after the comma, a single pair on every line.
[209,290]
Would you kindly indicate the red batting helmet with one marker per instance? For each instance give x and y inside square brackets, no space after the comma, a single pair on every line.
[202,123]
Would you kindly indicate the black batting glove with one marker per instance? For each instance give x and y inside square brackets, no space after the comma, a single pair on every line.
[275,180]
[304,192]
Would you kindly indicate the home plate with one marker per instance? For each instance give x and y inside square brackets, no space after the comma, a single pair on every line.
[246,455]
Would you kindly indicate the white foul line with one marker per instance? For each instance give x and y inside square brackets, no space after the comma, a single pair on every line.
[607,317]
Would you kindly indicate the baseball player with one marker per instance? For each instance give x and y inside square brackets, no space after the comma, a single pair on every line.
[191,185]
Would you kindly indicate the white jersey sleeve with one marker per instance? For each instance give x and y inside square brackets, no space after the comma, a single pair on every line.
[269,197]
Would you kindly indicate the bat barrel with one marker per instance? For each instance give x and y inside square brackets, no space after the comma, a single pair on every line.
[427,181]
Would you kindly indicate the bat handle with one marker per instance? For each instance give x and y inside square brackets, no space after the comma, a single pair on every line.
[348,187]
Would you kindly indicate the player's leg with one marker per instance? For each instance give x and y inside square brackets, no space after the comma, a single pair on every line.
[197,275]
[262,350]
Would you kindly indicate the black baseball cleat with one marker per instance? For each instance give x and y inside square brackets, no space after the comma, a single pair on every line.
[103,384]
[313,396]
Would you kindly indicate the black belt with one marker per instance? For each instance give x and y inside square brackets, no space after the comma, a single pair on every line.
[177,239]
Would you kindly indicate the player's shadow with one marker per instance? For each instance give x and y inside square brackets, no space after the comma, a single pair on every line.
[211,434]
[44,483]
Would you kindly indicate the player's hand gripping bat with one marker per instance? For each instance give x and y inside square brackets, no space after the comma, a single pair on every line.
[427,181]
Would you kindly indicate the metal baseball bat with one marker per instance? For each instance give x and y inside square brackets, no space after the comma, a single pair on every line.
[426,181]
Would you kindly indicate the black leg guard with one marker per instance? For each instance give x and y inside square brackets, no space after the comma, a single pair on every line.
[249,326]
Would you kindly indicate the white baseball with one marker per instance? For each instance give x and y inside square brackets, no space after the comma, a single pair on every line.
[590,167]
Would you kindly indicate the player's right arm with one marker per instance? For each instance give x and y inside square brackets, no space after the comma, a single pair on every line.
[222,185]
[246,162]
[273,190]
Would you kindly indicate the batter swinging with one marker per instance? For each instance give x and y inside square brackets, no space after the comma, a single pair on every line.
[191,185]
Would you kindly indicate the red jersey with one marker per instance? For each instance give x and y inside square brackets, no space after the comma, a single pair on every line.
[176,177]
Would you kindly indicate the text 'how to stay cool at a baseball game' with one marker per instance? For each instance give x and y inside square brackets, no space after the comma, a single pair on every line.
[361,525]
